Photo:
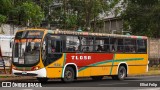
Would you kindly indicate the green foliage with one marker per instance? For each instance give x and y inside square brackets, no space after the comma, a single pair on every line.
[5,6]
[32,13]
[80,13]
[21,11]
[69,14]
[71,21]
[141,17]
[2,19]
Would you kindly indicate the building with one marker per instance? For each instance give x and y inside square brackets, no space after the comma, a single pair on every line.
[112,22]
[111,25]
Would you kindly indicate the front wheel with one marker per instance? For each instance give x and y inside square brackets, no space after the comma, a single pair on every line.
[69,74]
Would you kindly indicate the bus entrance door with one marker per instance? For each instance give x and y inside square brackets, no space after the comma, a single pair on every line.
[53,61]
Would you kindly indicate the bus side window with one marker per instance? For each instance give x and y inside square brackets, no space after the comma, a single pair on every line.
[130,45]
[120,46]
[142,46]
[106,45]
[113,44]
[72,43]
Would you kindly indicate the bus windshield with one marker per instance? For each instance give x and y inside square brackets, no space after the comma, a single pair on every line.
[26,49]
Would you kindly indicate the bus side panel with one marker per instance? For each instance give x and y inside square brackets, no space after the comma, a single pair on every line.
[94,64]
[136,63]
[137,69]
[54,70]
[113,70]
[100,70]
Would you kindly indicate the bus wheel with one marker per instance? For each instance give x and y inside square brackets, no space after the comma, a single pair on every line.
[69,74]
[121,74]
[42,80]
[97,77]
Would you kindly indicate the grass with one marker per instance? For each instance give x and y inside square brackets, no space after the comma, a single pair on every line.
[154,70]
[4,76]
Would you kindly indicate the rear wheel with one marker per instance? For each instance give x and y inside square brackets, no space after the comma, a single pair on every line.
[42,80]
[121,74]
[97,77]
[69,74]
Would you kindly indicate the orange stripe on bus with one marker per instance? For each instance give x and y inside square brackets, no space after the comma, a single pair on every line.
[28,40]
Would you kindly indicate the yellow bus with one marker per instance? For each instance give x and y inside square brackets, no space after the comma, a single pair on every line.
[47,54]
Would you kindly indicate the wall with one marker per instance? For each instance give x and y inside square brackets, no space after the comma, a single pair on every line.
[10,29]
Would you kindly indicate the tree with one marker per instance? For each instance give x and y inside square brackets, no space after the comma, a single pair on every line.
[81,13]
[5,6]
[141,17]
[4,11]
[20,12]
[67,14]
[32,13]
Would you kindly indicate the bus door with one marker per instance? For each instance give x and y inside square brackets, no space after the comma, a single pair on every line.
[53,49]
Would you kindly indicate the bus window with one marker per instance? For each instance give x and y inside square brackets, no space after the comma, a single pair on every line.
[54,49]
[142,46]
[130,45]
[87,44]
[106,45]
[113,44]
[72,43]
[99,44]
[120,46]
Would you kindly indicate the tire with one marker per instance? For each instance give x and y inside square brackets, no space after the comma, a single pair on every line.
[42,80]
[69,74]
[121,74]
[97,77]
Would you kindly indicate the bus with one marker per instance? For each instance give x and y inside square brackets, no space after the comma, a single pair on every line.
[67,55]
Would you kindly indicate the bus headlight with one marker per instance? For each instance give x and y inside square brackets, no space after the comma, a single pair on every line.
[35,68]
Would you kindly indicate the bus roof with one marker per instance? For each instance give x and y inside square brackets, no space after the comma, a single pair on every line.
[94,34]
[57,31]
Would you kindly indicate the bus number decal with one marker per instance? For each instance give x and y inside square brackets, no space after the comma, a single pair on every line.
[81,57]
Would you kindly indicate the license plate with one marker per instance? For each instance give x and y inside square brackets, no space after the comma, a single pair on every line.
[24,72]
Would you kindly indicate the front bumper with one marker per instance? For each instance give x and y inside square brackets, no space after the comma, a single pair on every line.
[36,73]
